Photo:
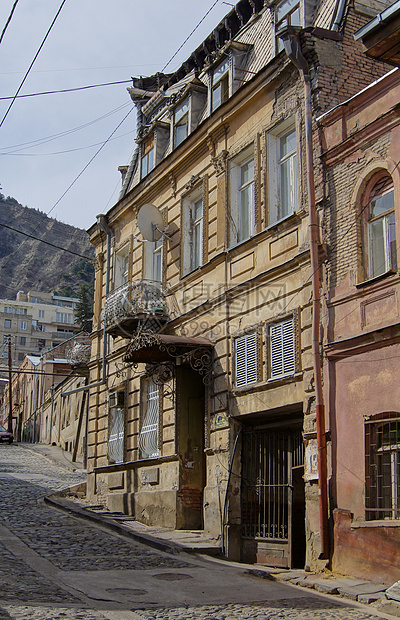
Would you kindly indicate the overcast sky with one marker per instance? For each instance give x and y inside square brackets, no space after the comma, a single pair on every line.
[91,42]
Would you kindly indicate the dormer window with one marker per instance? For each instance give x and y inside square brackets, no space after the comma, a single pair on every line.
[220,85]
[287,14]
[181,122]
[147,156]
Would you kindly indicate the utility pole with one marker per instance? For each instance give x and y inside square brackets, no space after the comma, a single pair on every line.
[10,428]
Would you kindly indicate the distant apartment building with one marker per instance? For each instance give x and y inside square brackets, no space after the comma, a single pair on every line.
[36,322]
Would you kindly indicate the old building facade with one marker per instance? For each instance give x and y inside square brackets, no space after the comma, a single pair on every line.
[202,401]
[361,144]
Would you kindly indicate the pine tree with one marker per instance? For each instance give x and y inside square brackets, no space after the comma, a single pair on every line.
[83,312]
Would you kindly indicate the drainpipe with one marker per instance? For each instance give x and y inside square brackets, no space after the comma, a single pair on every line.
[291,40]
[102,224]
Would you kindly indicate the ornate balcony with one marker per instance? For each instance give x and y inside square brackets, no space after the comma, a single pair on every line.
[142,301]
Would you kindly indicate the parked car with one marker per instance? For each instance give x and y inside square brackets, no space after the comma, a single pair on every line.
[5,436]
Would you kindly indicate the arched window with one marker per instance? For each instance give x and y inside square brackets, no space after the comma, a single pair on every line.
[380,227]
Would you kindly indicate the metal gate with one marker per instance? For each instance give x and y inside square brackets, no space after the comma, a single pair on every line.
[268,459]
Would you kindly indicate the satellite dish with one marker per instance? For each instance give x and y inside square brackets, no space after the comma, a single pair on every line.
[150,222]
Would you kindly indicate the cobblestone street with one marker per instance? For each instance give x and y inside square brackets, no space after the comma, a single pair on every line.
[55,566]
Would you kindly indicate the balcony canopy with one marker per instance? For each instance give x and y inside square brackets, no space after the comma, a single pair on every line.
[149,348]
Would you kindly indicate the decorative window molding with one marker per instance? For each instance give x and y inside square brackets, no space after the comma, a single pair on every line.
[149,436]
[116,425]
[382,467]
[282,171]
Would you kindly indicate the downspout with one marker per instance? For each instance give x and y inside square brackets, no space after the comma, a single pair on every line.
[291,40]
[102,223]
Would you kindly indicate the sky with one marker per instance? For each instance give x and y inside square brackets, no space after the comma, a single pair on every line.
[47,142]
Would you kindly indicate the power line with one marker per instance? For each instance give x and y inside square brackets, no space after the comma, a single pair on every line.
[8,20]
[188,37]
[80,148]
[65,90]
[43,241]
[67,132]
[32,63]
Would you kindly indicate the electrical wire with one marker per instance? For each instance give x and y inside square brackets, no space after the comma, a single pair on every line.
[8,20]
[75,180]
[188,37]
[53,245]
[65,90]
[67,132]
[80,148]
[32,63]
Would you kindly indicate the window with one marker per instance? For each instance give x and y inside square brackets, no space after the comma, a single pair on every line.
[5,339]
[193,233]
[382,467]
[63,317]
[282,174]
[246,359]
[153,260]
[116,425]
[282,356]
[7,323]
[22,341]
[36,300]
[242,198]
[147,156]
[122,267]
[220,85]
[23,325]
[381,255]
[41,314]
[23,311]
[287,14]
[148,438]
[40,343]
[9,310]
[181,122]
[20,357]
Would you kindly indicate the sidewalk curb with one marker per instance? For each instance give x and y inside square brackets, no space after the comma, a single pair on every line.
[71,508]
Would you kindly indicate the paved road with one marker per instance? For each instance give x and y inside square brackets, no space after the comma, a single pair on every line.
[54,566]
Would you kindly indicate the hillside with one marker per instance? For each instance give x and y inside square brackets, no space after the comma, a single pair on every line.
[28,264]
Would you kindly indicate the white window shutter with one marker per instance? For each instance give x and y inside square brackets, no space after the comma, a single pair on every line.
[246,366]
[282,348]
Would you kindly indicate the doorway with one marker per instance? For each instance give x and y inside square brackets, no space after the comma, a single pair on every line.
[273,497]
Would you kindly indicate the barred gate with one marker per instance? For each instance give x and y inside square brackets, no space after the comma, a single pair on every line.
[268,459]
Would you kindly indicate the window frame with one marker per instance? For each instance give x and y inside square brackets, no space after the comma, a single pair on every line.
[371,193]
[190,224]
[148,154]
[182,121]
[122,266]
[286,20]
[116,440]
[237,189]
[151,408]
[220,84]
[377,467]
[275,164]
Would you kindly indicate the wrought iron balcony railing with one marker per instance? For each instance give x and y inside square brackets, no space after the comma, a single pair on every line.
[132,303]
